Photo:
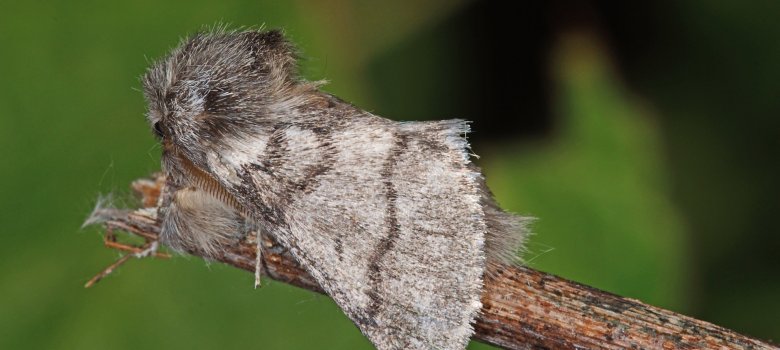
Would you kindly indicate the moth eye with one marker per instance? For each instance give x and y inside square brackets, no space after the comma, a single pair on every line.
[158,130]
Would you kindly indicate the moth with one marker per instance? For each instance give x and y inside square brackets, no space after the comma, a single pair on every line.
[392,219]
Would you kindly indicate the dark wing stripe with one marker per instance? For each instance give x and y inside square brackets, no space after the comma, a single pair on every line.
[391,223]
[312,178]
[276,159]
[276,153]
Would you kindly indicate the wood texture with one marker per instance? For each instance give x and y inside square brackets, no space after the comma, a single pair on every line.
[522,308]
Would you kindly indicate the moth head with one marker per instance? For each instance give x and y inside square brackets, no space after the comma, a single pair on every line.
[217,86]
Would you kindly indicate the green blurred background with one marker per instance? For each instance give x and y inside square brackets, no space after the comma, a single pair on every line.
[643,137]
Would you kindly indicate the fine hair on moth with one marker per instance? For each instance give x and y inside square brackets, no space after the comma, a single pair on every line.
[392,219]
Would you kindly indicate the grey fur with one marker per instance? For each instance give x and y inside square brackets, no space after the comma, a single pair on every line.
[391,218]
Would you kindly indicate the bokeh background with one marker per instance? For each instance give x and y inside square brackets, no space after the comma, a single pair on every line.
[644,136]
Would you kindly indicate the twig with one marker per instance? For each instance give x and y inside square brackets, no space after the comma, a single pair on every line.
[522,308]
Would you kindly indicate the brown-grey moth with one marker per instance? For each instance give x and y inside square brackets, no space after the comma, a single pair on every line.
[391,218]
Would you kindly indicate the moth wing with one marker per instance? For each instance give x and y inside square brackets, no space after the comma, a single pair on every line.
[386,216]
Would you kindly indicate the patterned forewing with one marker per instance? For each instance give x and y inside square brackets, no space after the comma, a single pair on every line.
[391,227]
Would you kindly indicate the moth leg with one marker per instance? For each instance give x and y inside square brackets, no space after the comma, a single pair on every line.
[150,250]
[139,252]
[107,271]
[259,257]
[109,240]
